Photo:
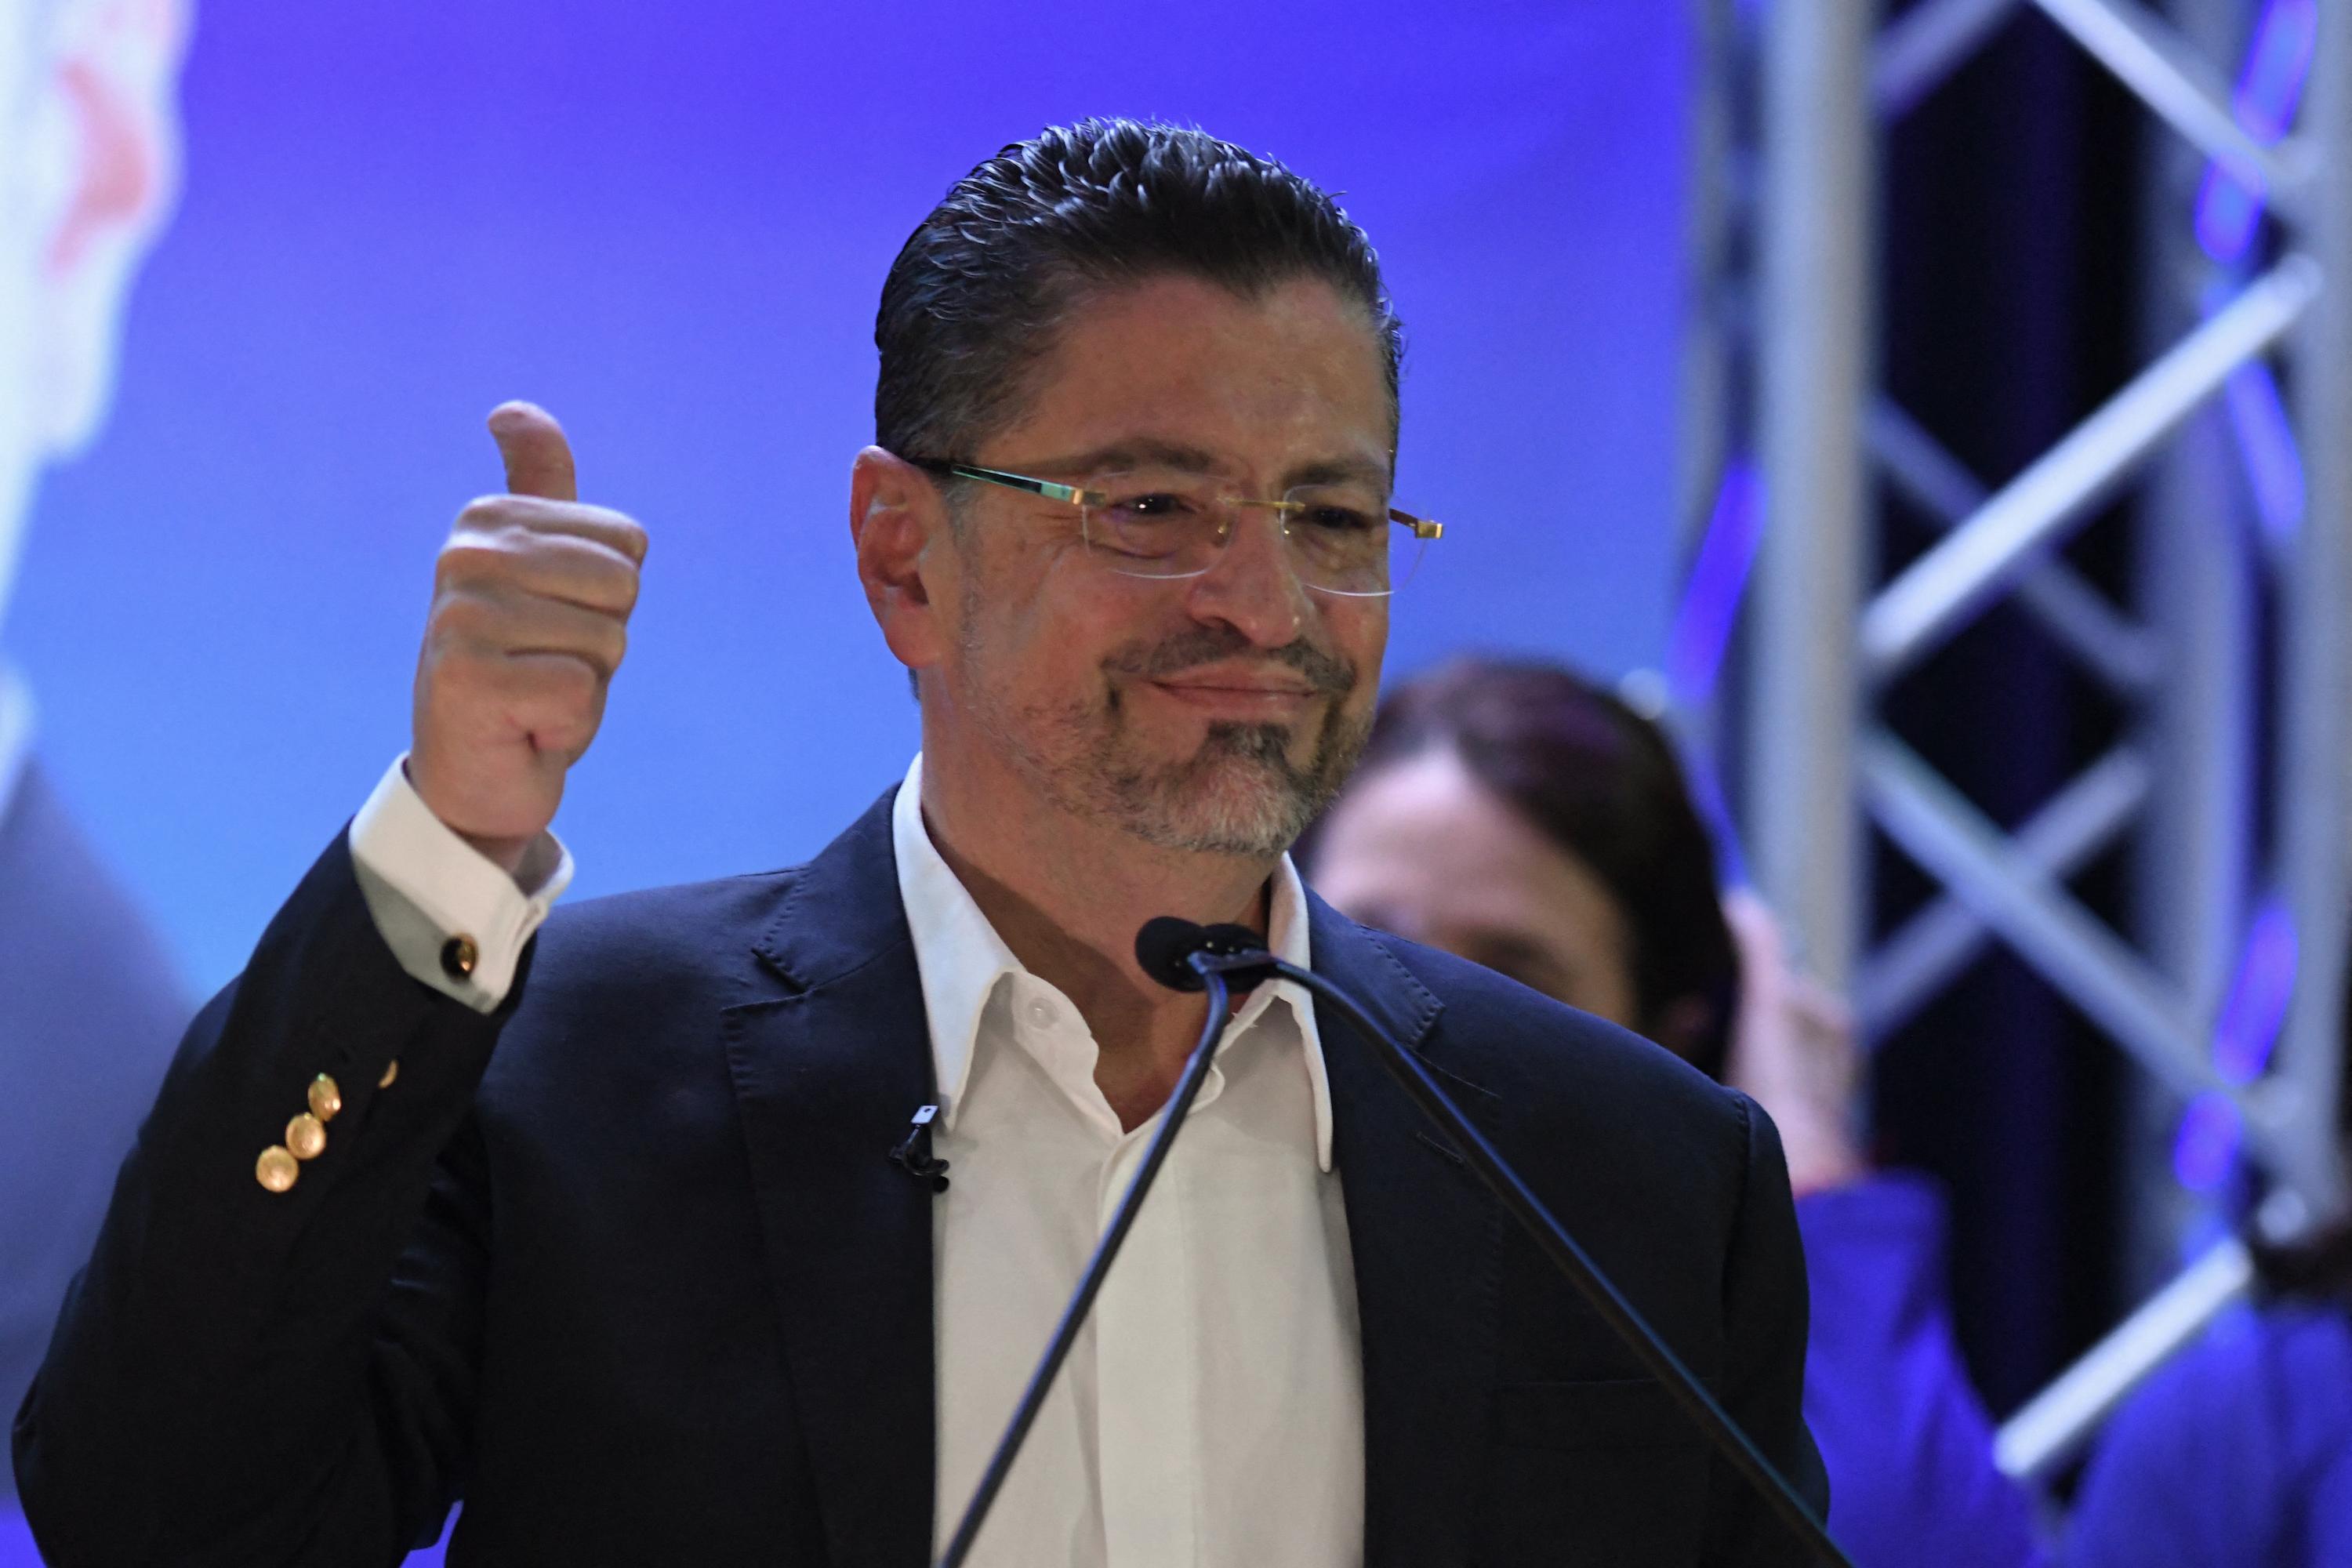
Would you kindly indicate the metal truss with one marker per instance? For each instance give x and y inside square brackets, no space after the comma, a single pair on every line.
[2227,988]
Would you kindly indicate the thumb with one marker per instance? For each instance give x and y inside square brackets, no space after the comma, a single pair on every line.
[537,458]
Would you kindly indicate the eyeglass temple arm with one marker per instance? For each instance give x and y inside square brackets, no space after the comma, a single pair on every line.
[1070,494]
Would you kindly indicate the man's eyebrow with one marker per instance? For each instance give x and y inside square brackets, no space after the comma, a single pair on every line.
[1155,452]
[1132,452]
[1339,471]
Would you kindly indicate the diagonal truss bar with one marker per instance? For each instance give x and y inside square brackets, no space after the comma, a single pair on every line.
[1918,50]
[2056,1423]
[1931,948]
[1937,827]
[2122,655]
[1948,586]
[2178,86]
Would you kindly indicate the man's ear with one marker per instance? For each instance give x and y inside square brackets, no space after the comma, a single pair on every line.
[106,116]
[907,559]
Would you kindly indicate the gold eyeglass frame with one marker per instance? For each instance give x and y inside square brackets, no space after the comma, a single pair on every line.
[1422,527]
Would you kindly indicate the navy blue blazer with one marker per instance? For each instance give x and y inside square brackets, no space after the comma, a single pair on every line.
[625,1267]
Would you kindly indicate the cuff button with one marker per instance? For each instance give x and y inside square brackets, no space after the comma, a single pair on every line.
[391,1071]
[326,1097]
[459,957]
[276,1170]
[305,1137]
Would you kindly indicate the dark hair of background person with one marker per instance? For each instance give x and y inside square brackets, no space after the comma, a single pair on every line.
[973,301]
[1603,782]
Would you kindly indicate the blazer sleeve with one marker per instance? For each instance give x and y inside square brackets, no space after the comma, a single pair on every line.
[1764,1308]
[242,1376]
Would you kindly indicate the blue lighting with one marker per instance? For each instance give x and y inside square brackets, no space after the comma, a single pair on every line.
[1718,580]
[2256,1005]
[2278,60]
[2266,446]
[2206,1148]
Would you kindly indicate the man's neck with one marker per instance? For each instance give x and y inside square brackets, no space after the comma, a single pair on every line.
[1067,895]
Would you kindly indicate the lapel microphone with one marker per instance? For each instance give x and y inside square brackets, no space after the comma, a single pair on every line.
[913,1154]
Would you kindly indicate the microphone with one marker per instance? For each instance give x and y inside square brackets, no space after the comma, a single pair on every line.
[1167,945]
[914,1155]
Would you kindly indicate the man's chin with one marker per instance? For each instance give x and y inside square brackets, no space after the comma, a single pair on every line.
[1234,796]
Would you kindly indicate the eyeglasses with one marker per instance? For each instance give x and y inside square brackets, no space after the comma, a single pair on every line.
[1168,522]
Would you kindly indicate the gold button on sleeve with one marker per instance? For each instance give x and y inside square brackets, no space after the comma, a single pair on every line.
[275,1169]
[326,1097]
[391,1071]
[459,957]
[306,1137]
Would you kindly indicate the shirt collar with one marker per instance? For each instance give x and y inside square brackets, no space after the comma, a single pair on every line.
[962,959]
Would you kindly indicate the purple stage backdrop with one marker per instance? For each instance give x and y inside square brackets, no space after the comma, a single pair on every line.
[670,226]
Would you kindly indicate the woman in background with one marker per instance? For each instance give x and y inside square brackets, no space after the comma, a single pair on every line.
[2238,1453]
[1523,818]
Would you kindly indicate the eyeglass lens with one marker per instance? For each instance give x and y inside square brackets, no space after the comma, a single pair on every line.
[1171,524]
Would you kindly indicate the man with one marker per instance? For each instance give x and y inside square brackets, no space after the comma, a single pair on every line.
[88,1004]
[599,1231]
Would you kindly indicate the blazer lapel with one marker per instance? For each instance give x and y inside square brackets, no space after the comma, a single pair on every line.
[1425,1237]
[826,1078]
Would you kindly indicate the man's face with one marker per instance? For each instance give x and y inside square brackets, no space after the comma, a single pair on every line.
[1207,714]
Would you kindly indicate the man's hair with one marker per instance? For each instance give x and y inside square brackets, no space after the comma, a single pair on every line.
[1601,782]
[973,299]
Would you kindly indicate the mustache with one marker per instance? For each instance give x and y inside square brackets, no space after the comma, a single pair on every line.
[1325,672]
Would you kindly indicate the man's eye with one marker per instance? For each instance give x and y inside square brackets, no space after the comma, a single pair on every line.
[1339,519]
[1153,505]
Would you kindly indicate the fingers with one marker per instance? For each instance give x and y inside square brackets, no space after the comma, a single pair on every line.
[490,622]
[538,459]
[614,531]
[570,566]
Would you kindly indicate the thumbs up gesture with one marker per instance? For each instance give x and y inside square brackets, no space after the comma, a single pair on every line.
[531,608]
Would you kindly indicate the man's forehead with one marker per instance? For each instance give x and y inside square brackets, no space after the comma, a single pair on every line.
[1184,371]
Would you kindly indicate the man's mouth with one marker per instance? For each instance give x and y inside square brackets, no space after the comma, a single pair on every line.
[1257,694]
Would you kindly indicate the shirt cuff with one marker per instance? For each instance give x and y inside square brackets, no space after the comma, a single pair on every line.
[430,893]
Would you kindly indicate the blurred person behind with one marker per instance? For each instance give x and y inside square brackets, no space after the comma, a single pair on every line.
[1516,814]
[89,1008]
[2238,1452]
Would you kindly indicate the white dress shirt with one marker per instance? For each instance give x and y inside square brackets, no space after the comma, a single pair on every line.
[1212,1410]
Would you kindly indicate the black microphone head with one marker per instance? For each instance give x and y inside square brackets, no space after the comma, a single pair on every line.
[1164,944]
[1230,941]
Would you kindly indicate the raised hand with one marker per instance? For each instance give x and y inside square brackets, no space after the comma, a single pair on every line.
[530,608]
[1795,1051]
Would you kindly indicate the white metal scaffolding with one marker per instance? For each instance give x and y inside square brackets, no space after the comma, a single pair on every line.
[1799,96]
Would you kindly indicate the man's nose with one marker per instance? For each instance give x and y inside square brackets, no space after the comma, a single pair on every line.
[1253,585]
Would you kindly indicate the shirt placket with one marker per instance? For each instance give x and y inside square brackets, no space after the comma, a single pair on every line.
[1148,1357]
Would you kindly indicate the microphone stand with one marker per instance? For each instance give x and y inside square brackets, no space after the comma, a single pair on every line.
[1558,1246]
[1215,957]
[1082,1301]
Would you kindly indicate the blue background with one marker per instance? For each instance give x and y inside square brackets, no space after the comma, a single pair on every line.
[670,226]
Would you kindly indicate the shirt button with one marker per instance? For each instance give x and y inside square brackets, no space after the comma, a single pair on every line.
[275,1169]
[1041,1013]
[459,957]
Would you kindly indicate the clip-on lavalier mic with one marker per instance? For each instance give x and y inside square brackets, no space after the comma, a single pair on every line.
[914,1155]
